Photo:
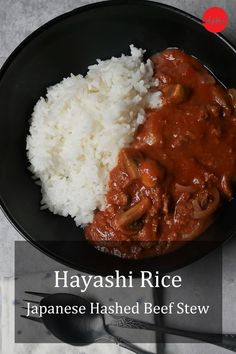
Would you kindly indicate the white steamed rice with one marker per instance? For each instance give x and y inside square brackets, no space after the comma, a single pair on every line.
[77,131]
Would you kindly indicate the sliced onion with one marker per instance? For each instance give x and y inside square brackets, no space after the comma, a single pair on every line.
[199,213]
[182,188]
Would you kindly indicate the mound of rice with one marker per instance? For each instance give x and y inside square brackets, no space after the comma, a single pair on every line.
[77,131]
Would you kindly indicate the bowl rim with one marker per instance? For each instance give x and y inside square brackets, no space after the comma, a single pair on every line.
[10,59]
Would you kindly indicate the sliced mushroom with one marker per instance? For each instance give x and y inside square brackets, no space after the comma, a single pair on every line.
[222,99]
[206,203]
[129,164]
[125,220]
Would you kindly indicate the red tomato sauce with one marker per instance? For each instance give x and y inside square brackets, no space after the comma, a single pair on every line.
[169,182]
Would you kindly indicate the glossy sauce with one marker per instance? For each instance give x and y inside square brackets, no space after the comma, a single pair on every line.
[169,182]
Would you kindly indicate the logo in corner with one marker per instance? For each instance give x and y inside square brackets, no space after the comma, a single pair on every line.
[215,19]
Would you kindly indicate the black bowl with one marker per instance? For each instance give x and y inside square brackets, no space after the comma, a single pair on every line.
[68,44]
